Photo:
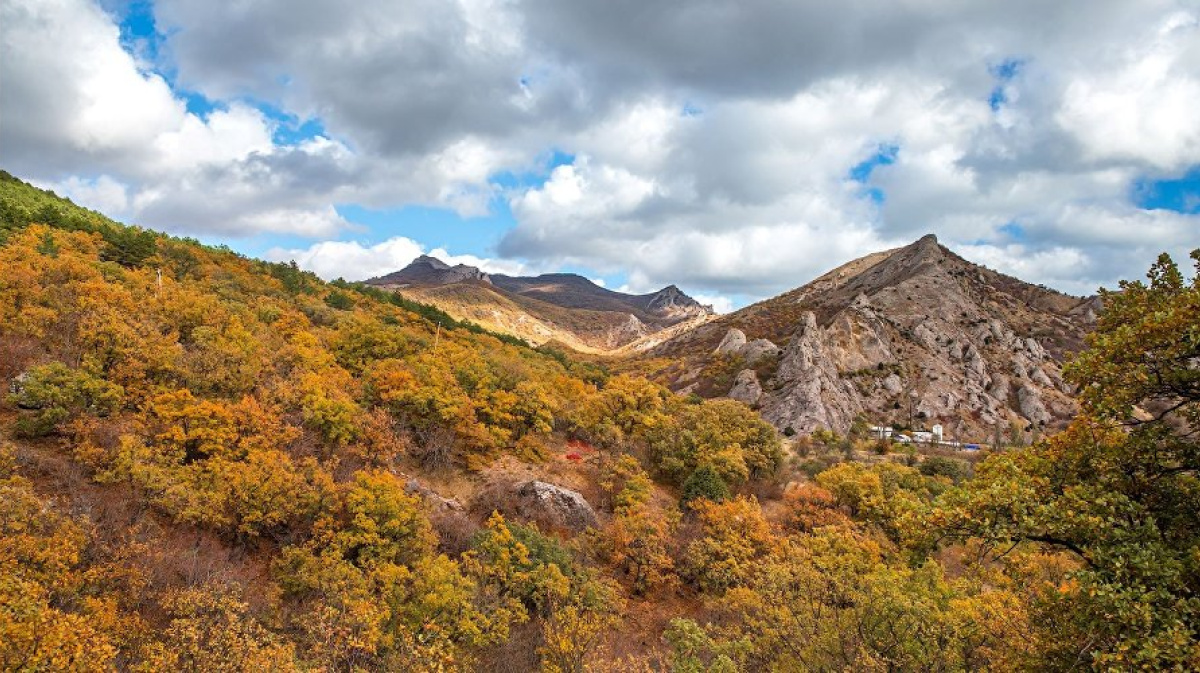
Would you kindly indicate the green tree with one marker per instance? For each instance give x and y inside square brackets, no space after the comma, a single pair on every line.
[1118,491]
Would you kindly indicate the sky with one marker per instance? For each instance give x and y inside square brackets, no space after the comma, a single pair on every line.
[736,149]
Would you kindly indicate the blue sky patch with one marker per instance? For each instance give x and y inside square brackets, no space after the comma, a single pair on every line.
[433,227]
[533,178]
[1181,194]
[885,155]
[1014,232]
[1004,72]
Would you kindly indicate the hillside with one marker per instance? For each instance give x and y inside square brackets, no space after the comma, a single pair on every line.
[215,463]
[562,308]
[906,337]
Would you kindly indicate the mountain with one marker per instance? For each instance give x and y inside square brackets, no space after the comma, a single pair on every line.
[561,307]
[426,270]
[906,337]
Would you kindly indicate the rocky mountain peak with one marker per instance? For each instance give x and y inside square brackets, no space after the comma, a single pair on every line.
[430,271]
[432,262]
[911,336]
[672,301]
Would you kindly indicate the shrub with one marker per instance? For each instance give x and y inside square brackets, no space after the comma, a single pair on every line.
[56,393]
[705,484]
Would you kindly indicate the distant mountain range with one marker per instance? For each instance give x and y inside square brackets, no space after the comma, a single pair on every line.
[559,307]
[909,337]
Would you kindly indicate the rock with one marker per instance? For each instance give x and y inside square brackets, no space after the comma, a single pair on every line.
[893,384]
[1039,376]
[813,395]
[925,337]
[732,343]
[1030,402]
[857,339]
[1000,388]
[553,507]
[435,499]
[976,367]
[1035,349]
[746,388]
[758,349]
[672,302]
[1020,366]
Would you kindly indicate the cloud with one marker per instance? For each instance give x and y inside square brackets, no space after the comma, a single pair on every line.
[717,302]
[355,261]
[714,144]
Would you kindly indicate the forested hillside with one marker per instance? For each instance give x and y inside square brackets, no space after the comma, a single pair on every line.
[207,462]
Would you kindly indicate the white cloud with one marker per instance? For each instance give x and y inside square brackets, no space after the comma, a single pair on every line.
[349,259]
[713,148]
[354,261]
[103,194]
[719,303]
[1144,109]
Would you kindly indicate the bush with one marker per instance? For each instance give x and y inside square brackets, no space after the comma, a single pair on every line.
[55,393]
[705,484]
[938,466]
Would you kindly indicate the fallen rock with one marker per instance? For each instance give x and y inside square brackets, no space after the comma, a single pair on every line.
[553,507]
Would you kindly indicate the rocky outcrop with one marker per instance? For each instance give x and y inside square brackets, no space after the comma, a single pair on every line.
[1030,403]
[671,302]
[915,336]
[733,342]
[552,507]
[812,395]
[746,388]
[759,349]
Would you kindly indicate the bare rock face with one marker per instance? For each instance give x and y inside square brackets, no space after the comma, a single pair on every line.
[746,388]
[1032,407]
[673,303]
[759,349]
[553,507]
[916,335]
[733,342]
[812,394]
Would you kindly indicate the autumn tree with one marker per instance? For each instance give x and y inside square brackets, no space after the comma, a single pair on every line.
[1118,491]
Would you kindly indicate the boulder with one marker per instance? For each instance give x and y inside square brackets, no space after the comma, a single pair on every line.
[553,507]
[746,388]
[732,343]
[758,349]
[1030,402]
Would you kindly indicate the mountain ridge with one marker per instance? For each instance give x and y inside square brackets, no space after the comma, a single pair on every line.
[914,335]
[556,307]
